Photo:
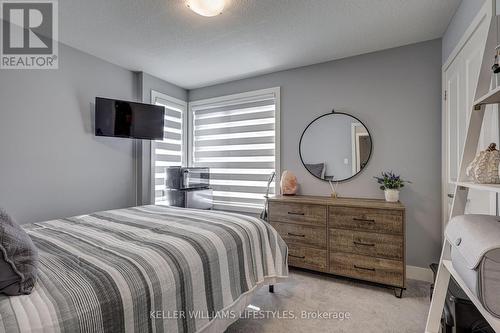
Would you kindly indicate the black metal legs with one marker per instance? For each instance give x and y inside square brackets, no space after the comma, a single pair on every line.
[271,288]
[398,292]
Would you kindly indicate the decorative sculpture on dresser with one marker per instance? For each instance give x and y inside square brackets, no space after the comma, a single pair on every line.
[484,167]
[288,183]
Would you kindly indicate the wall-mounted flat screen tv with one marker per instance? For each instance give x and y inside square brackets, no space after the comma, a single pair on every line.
[128,119]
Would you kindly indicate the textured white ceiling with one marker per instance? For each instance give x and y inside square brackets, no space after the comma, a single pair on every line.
[166,39]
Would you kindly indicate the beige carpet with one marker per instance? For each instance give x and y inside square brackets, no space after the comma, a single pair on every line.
[372,308]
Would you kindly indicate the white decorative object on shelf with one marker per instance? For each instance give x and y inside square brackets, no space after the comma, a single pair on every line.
[484,167]
[391,195]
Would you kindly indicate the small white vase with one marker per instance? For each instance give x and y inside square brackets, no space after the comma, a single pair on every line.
[391,195]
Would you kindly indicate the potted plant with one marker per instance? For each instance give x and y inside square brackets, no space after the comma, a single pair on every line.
[391,184]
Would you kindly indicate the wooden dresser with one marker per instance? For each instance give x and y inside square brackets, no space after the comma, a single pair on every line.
[356,238]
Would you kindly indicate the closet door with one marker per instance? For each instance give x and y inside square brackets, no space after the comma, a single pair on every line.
[460,80]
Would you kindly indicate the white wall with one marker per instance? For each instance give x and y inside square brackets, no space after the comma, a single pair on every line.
[396,94]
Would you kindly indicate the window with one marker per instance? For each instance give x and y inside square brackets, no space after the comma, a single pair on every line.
[237,136]
[171,151]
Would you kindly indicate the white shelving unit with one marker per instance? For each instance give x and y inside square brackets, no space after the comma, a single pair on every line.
[492,97]
[481,187]
[483,97]
[460,281]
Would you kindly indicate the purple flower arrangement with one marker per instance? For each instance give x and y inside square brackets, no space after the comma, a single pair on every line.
[390,181]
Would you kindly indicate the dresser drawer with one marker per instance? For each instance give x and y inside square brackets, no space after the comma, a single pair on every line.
[297,213]
[385,271]
[306,257]
[367,219]
[366,243]
[301,234]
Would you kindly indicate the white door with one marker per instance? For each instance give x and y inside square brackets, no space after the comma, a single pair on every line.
[460,81]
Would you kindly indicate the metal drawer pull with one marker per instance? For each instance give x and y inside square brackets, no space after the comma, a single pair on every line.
[363,220]
[292,213]
[364,268]
[295,235]
[364,244]
[299,257]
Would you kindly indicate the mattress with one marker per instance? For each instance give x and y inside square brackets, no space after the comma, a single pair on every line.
[475,255]
[145,269]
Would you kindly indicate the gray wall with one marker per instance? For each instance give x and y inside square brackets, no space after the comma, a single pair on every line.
[396,94]
[463,17]
[149,82]
[51,164]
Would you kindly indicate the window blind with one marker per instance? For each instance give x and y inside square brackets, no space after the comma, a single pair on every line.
[171,150]
[236,138]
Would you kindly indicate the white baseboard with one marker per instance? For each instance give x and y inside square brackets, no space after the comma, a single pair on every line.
[419,273]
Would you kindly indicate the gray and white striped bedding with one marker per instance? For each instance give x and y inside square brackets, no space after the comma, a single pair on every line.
[129,270]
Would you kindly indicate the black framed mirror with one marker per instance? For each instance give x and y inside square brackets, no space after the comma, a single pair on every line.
[335,147]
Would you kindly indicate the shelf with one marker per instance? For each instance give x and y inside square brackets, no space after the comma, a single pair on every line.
[493,97]
[482,187]
[493,321]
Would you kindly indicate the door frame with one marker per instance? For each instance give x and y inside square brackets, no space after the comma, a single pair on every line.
[485,13]
[355,154]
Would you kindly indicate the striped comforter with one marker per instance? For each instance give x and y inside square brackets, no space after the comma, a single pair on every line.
[144,269]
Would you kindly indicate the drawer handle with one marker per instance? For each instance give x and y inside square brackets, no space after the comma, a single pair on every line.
[365,268]
[364,244]
[299,257]
[363,220]
[295,235]
[292,213]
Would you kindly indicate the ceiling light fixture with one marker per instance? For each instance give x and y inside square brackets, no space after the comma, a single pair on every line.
[206,7]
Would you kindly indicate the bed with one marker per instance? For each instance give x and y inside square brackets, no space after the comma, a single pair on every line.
[146,269]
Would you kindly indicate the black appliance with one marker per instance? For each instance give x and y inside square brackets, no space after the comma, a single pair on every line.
[188,188]
[124,119]
[460,315]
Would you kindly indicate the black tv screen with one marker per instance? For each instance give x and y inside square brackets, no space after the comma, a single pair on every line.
[128,119]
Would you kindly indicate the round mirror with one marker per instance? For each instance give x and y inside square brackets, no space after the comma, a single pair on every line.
[335,147]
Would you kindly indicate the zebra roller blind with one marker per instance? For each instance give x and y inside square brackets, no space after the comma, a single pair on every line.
[171,150]
[237,136]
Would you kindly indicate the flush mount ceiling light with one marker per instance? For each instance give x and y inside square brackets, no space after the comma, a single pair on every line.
[206,7]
